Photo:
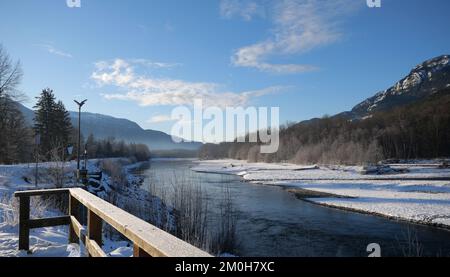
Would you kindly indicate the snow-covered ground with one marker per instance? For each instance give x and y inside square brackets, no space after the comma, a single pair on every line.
[413,192]
[53,241]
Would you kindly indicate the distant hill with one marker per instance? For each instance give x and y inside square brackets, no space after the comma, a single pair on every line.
[104,126]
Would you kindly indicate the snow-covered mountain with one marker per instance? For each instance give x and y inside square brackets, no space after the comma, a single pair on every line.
[424,80]
[104,126]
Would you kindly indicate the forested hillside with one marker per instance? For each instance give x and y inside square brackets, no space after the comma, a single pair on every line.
[417,130]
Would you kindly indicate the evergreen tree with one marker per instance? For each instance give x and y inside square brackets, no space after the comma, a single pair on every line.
[91,146]
[63,124]
[44,120]
[52,123]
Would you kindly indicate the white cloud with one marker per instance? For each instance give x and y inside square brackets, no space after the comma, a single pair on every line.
[148,91]
[298,26]
[242,8]
[52,50]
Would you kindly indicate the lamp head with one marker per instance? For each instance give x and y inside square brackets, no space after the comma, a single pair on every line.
[80,104]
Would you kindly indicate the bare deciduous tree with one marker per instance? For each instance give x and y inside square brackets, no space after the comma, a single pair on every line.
[10,75]
[13,132]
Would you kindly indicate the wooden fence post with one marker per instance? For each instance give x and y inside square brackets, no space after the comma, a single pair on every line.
[94,228]
[139,252]
[73,211]
[24,216]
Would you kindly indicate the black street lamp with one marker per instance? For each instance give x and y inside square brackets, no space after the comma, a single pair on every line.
[80,104]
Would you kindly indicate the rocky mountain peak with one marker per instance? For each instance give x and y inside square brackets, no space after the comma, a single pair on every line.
[424,80]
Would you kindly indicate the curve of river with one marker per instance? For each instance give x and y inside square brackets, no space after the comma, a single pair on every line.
[273,222]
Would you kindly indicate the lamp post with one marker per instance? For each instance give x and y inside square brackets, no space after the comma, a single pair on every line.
[80,104]
[85,159]
[37,142]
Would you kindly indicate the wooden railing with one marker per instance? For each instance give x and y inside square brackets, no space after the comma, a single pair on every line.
[148,240]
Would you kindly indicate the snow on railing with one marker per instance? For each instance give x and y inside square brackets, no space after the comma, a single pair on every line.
[147,239]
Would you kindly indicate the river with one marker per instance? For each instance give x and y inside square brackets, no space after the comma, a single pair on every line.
[273,222]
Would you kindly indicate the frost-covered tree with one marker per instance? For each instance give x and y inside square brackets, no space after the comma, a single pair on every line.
[14,138]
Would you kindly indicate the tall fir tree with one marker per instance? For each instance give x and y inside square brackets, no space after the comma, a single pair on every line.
[63,124]
[43,120]
[51,123]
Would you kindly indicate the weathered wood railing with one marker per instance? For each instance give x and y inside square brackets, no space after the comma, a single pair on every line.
[148,240]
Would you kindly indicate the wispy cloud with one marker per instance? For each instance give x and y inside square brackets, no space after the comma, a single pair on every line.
[298,26]
[149,63]
[148,91]
[241,8]
[52,50]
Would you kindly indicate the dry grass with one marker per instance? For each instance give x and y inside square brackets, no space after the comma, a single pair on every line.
[192,222]
[38,207]
[114,169]
[411,247]
[225,240]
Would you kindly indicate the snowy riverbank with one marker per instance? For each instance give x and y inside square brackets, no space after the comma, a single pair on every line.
[414,192]
[53,241]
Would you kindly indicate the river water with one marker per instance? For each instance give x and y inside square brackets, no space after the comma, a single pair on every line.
[273,222]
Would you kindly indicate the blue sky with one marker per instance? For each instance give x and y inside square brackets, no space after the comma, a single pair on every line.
[140,59]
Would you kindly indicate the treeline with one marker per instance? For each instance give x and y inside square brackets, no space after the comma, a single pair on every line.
[419,130]
[52,132]
[112,148]
[175,153]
